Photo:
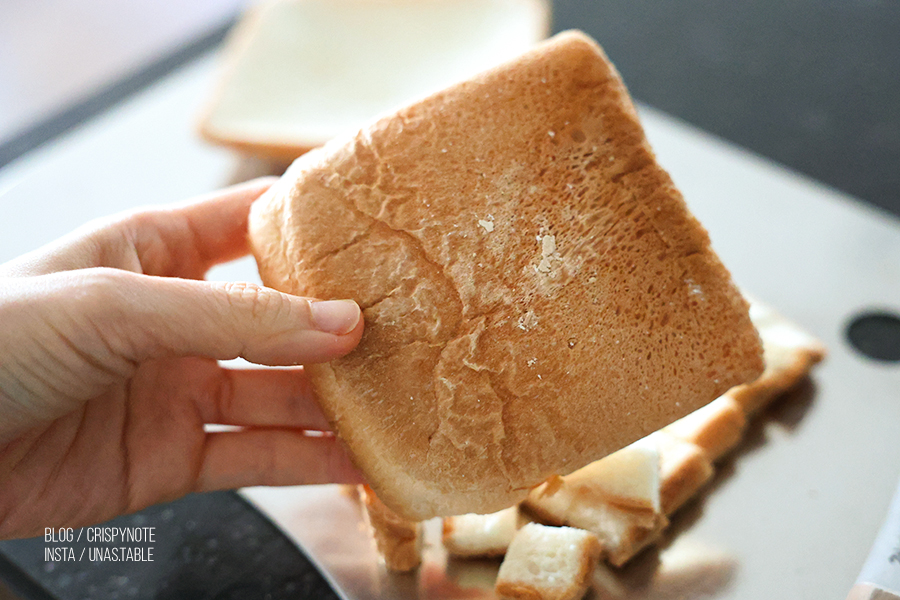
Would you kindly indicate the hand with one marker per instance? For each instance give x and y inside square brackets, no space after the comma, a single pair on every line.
[108,346]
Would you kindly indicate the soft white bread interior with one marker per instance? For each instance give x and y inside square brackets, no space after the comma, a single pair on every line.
[398,540]
[481,535]
[299,72]
[536,294]
[548,563]
[653,478]
[684,468]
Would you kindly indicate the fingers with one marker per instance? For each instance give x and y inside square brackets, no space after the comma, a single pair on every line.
[178,241]
[186,240]
[254,397]
[273,457]
[144,317]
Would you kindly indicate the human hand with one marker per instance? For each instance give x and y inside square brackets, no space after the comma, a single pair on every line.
[108,370]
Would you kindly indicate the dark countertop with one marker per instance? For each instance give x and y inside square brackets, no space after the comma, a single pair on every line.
[812,85]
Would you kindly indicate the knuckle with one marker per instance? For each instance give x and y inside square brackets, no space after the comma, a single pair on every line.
[101,286]
[261,302]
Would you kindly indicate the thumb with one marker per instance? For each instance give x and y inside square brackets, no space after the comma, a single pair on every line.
[152,317]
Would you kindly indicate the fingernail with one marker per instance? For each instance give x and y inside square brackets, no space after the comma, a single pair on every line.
[334,316]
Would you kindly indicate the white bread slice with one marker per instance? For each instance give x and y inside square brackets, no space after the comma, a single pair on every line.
[398,540]
[481,535]
[789,353]
[536,293]
[300,72]
[548,563]
[716,428]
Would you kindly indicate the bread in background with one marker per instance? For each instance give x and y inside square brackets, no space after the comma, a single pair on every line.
[299,72]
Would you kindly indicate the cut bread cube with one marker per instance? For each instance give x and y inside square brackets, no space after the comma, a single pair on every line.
[789,353]
[398,540]
[716,428]
[628,478]
[684,468]
[616,498]
[548,563]
[621,533]
[481,535]
[300,72]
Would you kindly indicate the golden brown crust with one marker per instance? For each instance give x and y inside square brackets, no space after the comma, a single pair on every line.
[757,394]
[536,294]
[716,428]
[517,591]
[399,541]
[684,470]
[789,354]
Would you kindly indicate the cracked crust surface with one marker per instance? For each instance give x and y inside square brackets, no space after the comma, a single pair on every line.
[536,294]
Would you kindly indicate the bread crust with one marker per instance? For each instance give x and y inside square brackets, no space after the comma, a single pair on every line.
[536,293]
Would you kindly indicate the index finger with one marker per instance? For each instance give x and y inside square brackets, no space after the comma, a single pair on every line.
[186,240]
[180,240]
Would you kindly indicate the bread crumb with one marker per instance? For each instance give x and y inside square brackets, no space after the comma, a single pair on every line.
[548,253]
[527,321]
[532,361]
[551,133]
[694,289]
[488,225]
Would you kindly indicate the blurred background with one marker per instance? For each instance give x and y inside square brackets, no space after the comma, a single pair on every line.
[812,84]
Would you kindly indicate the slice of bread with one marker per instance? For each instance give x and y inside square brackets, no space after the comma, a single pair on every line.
[536,293]
[299,72]
[481,535]
[398,540]
[548,563]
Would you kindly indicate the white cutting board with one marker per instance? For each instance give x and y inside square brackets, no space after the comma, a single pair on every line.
[791,515]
